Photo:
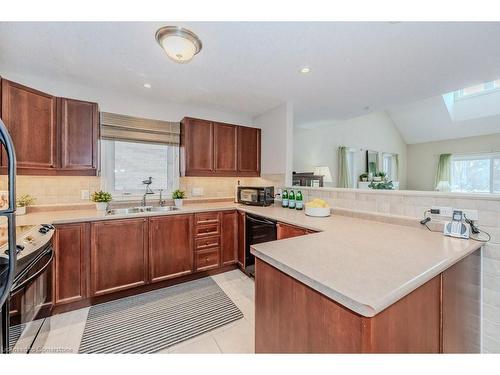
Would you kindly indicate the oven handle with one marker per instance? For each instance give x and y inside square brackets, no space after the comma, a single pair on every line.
[33,277]
[263,221]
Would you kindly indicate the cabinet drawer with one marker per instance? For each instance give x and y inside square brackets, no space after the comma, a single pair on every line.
[207,259]
[207,243]
[208,230]
[207,218]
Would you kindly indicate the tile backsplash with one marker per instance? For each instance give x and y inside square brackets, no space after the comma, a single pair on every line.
[413,205]
[67,190]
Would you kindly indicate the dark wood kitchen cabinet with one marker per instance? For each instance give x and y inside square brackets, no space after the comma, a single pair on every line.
[229,237]
[248,151]
[225,149]
[170,247]
[119,255]
[71,262]
[30,117]
[289,231]
[241,240]
[78,134]
[52,136]
[197,147]
[217,149]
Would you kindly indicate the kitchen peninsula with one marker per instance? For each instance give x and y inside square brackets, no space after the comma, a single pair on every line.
[356,286]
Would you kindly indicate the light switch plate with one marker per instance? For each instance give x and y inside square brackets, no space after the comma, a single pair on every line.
[197,191]
[85,195]
[471,214]
[444,211]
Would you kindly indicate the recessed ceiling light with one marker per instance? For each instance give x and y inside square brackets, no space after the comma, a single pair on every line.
[305,70]
[179,44]
[147,85]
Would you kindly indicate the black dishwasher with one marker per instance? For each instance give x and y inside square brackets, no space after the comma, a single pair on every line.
[258,230]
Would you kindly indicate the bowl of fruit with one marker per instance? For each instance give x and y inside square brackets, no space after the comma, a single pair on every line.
[318,208]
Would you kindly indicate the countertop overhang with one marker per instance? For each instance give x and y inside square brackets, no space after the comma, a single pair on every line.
[364,265]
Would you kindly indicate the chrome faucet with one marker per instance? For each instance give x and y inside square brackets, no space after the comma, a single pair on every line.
[147,182]
[161,201]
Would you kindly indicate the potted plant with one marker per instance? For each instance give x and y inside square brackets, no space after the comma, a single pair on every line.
[178,196]
[22,202]
[382,176]
[363,177]
[101,199]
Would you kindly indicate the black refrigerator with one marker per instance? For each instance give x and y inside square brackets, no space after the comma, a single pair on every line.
[8,264]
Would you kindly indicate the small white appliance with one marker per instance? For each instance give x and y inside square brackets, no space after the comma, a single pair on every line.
[456,227]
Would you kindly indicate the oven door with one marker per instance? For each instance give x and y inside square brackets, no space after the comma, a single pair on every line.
[30,300]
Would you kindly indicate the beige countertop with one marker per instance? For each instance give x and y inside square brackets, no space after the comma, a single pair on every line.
[364,265]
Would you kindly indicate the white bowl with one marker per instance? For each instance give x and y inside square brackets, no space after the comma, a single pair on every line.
[318,211]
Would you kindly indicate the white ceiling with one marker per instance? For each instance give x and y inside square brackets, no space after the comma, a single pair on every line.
[252,67]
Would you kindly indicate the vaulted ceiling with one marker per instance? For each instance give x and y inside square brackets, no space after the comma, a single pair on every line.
[250,67]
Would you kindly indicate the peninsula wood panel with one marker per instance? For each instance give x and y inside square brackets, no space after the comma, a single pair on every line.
[170,246]
[225,149]
[78,128]
[71,262]
[462,306]
[30,117]
[119,255]
[290,317]
[229,237]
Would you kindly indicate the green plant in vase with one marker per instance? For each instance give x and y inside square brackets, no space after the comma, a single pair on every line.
[101,199]
[22,202]
[178,196]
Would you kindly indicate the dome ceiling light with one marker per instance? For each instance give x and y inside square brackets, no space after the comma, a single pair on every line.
[179,44]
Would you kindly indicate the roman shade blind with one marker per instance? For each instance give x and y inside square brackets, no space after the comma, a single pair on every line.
[135,129]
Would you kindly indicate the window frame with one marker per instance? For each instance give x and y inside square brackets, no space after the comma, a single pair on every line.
[491,156]
[108,175]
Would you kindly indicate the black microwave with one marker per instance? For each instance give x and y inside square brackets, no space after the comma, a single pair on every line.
[256,196]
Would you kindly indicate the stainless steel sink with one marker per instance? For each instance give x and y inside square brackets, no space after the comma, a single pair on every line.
[137,210]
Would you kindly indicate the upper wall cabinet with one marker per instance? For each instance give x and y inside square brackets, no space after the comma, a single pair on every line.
[52,136]
[78,128]
[30,117]
[216,149]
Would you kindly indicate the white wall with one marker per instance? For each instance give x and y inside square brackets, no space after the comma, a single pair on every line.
[317,144]
[423,157]
[277,140]
[148,106]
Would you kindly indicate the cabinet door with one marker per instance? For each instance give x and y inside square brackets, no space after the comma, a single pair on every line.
[229,240]
[78,135]
[71,262]
[289,231]
[170,246]
[118,255]
[225,149]
[241,239]
[197,147]
[30,117]
[248,151]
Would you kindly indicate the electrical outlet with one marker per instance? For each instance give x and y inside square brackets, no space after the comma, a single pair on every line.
[197,191]
[85,195]
[443,211]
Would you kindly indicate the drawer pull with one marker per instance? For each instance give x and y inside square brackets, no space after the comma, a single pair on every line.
[206,259]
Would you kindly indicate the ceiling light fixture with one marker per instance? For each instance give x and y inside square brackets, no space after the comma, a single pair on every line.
[147,85]
[179,44]
[305,70]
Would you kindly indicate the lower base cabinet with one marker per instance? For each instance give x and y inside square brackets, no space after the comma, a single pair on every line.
[71,263]
[289,231]
[119,255]
[109,256]
[170,246]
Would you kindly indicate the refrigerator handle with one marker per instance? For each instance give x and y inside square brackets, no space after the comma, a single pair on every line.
[6,141]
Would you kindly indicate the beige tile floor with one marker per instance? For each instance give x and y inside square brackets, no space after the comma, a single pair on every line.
[63,332]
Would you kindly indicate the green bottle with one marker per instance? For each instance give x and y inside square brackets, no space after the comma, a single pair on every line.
[299,204]
[291,200]
[284,199]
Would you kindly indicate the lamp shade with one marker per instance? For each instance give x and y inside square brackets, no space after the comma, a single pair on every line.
[179,44]
[325,172]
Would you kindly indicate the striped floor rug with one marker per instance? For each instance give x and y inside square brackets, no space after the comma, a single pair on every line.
[149,322]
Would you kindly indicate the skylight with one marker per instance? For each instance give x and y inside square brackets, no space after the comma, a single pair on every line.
[471,91]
